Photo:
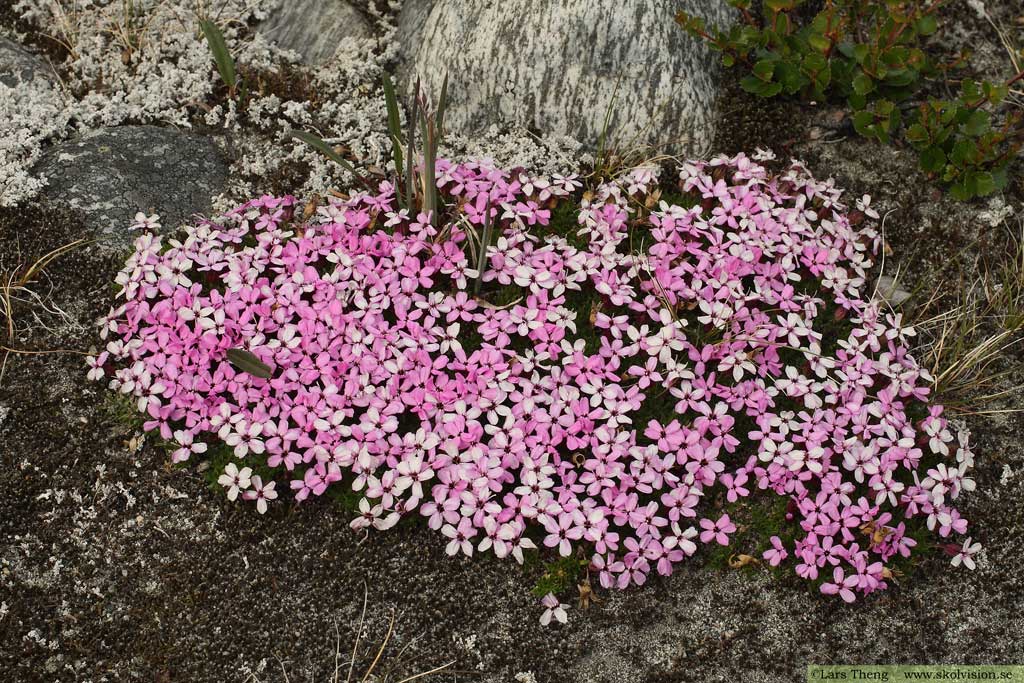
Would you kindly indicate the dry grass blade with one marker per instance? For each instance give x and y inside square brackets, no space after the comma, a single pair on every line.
[969,327]
[45,260]
[14,290]
[427,673]
[383,646]
[359,635]
[8,307]
[962,366]
[1016,95]
[964,345]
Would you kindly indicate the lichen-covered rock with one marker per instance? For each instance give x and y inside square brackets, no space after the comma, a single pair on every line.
[112,173]
[561,66]
[18,64]
[314,28]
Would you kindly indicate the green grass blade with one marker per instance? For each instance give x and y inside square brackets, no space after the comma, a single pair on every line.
[325,149]
[394,122]
[221,56]
[410,156]
[429,176]
[442,105]
[485,240]
[396,152]
[395,130]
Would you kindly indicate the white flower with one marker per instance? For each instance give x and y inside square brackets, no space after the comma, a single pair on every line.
[144,222]
[188,446]
[966,554]
[261,493]
[234,479]
[554,609]
[864,206]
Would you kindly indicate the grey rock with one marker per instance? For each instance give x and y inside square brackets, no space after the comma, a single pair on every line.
[18,64]
[112,173]
[559,66]
[888,290]
[315,28]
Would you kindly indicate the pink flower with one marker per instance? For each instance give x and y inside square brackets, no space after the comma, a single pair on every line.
[841,585]
[777,553]
[718,530]
[734,348]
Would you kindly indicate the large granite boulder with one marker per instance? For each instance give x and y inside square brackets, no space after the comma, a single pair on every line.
[315,28]
[18,64]
[113,173]
[559,66]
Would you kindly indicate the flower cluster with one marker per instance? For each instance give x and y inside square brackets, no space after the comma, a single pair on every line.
[608,389]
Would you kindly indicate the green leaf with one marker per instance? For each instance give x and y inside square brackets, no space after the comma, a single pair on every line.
[900,77]
[485,241]
[819,42]
[764,69]
[981,183]
[964,151]
[978,123]
[1001,177]
[917,134]
[995,93]
[813,63]
[862,84]
[791,78]
[970,90]
[895,57]
[927,25]
[410,181]
[221,56]
[933,160]
[960,191]
[758,87]
[248,362]
[817,69]
[783,26]
[863,122]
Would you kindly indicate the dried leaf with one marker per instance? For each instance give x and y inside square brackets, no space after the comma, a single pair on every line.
[311,207]
[741,560]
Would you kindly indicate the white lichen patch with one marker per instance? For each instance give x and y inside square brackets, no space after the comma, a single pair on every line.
[148,63]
